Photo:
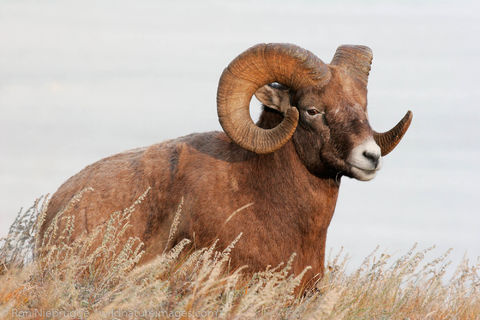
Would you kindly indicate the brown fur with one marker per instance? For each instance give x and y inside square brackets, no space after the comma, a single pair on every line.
[293,190]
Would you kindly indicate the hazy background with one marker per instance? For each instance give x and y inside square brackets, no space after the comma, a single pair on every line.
[81,80]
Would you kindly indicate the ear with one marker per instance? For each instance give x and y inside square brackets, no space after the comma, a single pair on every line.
[275,98]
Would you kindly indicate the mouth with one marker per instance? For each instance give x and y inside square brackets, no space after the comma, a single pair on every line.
[363,174]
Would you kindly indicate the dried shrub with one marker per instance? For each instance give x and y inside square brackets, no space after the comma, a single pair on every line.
[98,277]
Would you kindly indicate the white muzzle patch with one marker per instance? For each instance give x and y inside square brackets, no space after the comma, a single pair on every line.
[365,160]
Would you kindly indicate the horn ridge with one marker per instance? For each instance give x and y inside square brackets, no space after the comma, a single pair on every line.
[356,59]
[388,140]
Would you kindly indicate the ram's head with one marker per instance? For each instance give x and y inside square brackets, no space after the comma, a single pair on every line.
[321,107]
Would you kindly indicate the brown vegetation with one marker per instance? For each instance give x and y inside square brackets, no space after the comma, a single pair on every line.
[74,281]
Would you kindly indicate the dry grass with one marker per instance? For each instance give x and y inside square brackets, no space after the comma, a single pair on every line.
[95,278]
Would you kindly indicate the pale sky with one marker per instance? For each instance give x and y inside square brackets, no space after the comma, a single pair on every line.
[81,80]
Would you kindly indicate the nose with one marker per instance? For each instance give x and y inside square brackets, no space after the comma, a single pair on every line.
[373,157]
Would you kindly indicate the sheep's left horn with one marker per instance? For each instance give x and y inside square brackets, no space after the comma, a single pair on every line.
[389,140]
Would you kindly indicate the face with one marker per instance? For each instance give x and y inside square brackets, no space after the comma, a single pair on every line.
[334,130]
[333,135]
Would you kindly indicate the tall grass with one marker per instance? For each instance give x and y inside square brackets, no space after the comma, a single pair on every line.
[98,277]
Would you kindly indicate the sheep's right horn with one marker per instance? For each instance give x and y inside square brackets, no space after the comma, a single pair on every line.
[262,64]
[389,140]
[356,59]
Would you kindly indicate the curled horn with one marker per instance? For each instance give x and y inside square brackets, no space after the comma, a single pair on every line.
[357,61]
[262,64]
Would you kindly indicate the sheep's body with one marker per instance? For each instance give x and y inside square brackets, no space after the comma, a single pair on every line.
[290,208]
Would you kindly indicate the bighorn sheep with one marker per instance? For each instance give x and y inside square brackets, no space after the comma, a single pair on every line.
[313,129]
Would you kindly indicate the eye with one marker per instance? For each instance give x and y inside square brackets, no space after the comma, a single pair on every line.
[314,111]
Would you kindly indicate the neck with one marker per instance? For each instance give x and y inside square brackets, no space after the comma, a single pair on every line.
[288,178]
[300,204]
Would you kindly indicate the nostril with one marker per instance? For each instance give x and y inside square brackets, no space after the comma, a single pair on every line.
[373,157]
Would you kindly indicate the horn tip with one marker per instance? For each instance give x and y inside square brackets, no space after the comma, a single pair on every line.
[408,117]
